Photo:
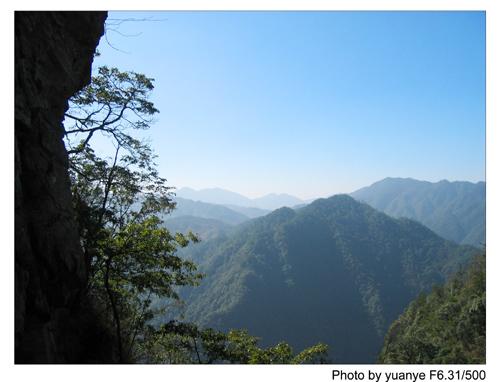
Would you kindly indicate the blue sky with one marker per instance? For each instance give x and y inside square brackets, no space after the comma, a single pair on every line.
[309,103]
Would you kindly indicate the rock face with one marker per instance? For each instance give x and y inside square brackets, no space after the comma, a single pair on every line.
[53,56]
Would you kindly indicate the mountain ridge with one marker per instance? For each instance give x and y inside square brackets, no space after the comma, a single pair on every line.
[188,207]
[456,210]
[312,274]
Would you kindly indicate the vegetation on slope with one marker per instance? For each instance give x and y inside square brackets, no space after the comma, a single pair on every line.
[446,326]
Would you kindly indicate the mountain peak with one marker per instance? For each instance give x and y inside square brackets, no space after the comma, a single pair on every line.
[335,200]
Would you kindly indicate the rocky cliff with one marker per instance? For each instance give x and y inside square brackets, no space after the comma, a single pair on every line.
[53,57]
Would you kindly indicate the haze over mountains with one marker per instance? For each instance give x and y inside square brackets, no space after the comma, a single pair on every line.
[454,210]
[224,197]
[336,271]
[205,228]
[187,207]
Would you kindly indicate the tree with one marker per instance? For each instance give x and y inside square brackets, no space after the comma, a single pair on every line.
[114,103]
[119,202]
[178,342]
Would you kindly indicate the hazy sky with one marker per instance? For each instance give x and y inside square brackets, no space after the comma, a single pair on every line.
[310,103]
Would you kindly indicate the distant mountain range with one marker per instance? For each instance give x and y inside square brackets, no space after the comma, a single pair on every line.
[224,197]
[186,207]
[335,271]
[207,220]
[454,210]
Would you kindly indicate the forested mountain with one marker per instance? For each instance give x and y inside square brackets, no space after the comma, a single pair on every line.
[229,198]
[446,326]
[186,207]
[454,210]
[336,271]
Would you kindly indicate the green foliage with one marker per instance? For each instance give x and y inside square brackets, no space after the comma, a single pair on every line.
[446,326]
[177,342]
[112,104]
